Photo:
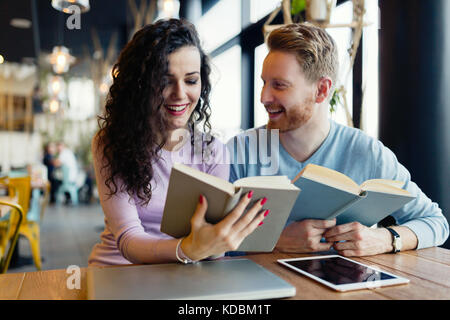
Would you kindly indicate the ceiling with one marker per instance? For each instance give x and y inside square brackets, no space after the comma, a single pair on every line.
[48,29]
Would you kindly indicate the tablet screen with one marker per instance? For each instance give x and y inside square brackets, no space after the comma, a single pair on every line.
[338,271]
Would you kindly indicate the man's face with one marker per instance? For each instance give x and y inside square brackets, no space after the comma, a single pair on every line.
[287,96]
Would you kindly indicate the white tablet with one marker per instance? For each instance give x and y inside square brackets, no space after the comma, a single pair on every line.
[342,274]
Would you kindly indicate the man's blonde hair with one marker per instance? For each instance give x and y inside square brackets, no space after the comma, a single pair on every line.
[315,50]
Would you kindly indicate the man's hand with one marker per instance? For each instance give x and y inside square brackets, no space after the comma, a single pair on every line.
[305,236]
[359,240]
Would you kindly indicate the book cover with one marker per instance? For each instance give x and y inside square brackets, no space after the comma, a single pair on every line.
[186,185]
[328,194]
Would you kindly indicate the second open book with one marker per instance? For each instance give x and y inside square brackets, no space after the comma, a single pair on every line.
[328,194]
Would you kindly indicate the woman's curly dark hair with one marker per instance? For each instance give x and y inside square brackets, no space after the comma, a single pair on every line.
[133,124]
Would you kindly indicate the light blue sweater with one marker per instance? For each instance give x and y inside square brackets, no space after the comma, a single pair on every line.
[353,153]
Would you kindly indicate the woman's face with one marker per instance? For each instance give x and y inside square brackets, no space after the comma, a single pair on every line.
[183,90]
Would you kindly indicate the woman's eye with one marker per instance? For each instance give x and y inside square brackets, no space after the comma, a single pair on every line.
[192,81]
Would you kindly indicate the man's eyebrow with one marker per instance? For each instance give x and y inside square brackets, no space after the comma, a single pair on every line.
[278,79]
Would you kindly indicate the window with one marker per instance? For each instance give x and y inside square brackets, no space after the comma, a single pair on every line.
[221,23]
[259,9]
[370,70]
[81,99]
[223,34]
[260,113]
[343,38]
[226,93]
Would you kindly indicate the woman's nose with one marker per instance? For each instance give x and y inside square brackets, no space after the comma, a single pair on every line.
[178,91]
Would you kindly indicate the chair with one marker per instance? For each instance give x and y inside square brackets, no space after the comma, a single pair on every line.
[67,186]
[45,200]
[30,225]
[4,234]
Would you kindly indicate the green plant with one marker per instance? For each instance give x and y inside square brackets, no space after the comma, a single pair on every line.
[297,6]
[335,100]
[297,10]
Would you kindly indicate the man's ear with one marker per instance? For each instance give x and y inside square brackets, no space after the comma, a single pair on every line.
[323,89]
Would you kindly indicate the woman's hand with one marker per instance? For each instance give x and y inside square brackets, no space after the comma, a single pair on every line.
[208,239]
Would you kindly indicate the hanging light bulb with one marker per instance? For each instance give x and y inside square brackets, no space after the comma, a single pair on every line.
[63,5]
[56,86]
[53,105]
[61,59]
[168,9]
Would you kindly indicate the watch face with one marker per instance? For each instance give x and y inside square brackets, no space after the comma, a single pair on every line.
[397,244]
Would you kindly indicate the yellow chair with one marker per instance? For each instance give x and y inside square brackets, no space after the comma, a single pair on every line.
[45,200]
[4,261]
[30,225]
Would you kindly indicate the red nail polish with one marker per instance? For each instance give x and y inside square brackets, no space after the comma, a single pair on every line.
[266,213]
[261,223]
[200,199]
[250,194]
[263,201]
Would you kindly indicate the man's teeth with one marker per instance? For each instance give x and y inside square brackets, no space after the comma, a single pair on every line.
[177,108]
[274,111]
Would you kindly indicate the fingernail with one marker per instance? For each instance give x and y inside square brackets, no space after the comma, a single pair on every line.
[250,194]
[261,223]
[266,213]
[264,200]
[200,199]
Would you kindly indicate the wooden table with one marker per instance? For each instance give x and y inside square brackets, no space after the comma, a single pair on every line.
[427,269]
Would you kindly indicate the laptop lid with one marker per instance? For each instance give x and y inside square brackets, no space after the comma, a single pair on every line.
[207,280]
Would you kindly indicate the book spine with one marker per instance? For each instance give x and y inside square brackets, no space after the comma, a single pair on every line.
[345,207]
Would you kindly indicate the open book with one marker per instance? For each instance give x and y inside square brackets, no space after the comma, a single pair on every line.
[186,184]
[328,194]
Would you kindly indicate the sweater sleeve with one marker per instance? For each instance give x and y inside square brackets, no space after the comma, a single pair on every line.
[121,218]
[422,215]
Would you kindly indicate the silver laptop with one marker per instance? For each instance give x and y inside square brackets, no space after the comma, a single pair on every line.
[209,280]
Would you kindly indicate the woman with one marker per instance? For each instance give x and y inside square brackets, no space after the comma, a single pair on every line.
[160,88]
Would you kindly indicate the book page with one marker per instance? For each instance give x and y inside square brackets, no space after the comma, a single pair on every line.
[207,178]
[269,182]
[385,186]
[329,177]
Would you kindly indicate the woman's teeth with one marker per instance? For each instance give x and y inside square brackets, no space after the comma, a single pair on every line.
[176,108]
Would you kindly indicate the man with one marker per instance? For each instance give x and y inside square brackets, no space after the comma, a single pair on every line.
[299,74]
[68,166]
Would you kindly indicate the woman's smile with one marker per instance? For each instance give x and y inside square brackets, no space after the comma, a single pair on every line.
[177,109]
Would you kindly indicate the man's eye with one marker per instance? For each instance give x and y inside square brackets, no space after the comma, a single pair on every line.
[279,85]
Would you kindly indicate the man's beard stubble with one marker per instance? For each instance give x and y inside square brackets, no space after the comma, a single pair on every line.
[294,118]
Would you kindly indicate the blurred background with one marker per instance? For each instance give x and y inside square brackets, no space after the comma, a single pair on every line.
[55,72]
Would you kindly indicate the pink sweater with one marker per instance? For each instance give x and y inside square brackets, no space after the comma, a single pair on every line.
[132,232]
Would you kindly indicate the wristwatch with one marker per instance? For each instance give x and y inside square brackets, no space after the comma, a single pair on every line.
[396,241]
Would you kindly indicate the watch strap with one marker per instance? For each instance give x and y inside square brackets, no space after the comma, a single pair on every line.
[395,236]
